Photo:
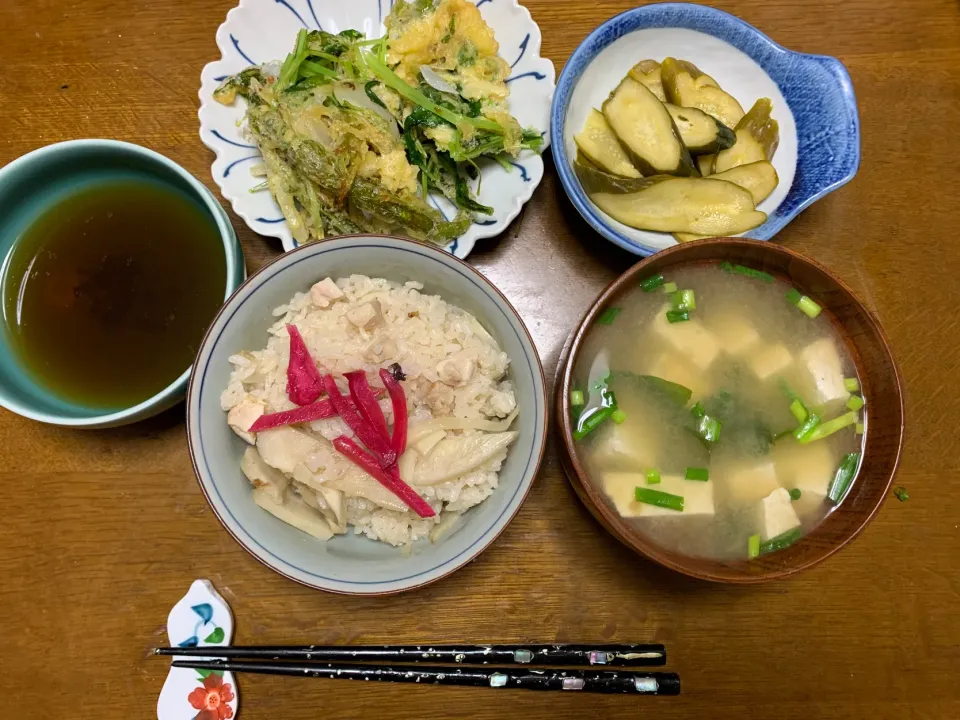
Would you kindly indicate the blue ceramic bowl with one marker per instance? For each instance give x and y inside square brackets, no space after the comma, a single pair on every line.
[353,564]
[812,96]
[28,187]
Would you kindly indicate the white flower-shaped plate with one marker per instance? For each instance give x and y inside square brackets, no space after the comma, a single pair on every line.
[259,31]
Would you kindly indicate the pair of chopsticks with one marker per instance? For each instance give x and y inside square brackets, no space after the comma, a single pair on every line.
[519,666]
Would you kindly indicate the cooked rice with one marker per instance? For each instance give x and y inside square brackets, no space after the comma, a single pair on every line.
[430,339]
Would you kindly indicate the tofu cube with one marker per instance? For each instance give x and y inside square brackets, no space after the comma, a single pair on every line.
[672,368]
[622,446]
[736,335]
[771,360]
[809,468]
[822,362]
[619,487]
[778,514]
[691,339]
[747,485]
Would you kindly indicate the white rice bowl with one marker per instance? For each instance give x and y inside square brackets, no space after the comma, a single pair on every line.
[454,369]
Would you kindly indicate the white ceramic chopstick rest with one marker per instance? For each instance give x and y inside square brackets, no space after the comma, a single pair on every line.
[200,618]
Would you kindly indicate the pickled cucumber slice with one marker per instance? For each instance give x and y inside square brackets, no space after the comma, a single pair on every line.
[646,131]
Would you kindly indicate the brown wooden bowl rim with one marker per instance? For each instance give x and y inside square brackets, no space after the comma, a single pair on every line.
[611,521]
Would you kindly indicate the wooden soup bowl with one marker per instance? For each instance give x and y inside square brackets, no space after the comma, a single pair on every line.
[881,387]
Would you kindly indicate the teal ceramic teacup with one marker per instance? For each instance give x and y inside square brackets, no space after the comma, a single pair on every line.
[36,184]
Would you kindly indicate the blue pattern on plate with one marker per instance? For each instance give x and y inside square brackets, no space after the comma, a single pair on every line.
[237,162]
[817,88]
[314,14]
[299,17]
[216,134]
[523,51]
[290,7]
[236,44]
[534,74]
[522,169]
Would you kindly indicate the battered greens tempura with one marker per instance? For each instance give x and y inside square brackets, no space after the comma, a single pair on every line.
[354,134]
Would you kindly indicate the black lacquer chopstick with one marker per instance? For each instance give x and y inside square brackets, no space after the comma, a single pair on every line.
[593,681]
[618,655]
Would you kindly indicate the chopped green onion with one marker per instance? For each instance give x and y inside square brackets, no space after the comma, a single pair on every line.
[858,428]
[709,429]
[684,300]
[591,420]
[851,385]
[843,477]
[795,493]
[781,541]
[799,410]
[576,398]
[658,498]
[809,307]
[753,547]
[697,473]
[806,430]
[608,316]
[652,283]
[803,303]
[901,494]
[830,427]
[749,272]
[618,416]
[653,477]
[675,316]
[855,402]
[697,410]
[670,287]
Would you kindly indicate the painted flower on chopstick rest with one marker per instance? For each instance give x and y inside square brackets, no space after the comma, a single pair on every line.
[211,699]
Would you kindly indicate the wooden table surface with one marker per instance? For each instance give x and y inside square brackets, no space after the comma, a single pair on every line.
[102,531]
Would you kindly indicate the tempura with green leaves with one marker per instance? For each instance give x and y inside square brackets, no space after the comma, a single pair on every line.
[355,134]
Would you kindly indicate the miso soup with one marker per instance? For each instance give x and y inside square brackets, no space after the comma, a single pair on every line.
[718,410]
